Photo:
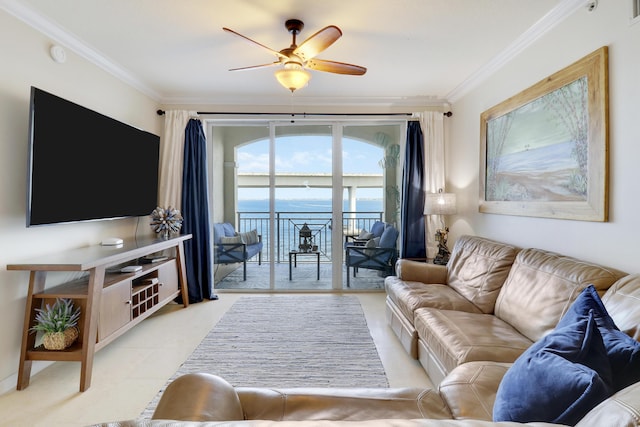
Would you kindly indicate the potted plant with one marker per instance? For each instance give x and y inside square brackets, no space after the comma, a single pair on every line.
[59,324]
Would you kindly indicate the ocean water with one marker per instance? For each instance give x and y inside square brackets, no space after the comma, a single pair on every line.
[292,214]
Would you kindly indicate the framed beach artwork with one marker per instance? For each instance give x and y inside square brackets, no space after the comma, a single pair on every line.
[544,152]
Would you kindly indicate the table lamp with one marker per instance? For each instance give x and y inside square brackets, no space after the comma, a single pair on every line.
[440,203]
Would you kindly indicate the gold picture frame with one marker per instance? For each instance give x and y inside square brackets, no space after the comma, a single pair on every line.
[544,152]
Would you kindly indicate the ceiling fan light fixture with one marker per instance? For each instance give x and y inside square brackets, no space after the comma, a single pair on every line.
[296,59]
[293,76]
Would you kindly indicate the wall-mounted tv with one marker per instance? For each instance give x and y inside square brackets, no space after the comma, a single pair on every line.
[85,166]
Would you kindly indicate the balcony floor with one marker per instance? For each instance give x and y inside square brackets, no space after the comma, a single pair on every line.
[304,277]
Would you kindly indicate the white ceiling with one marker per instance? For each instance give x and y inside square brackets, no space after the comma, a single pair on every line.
[417,52]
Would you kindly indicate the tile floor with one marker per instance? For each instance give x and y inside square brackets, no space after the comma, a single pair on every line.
[128,373]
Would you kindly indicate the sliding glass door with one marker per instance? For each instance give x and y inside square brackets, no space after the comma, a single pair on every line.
[371,193]
[303,206]
[306,188]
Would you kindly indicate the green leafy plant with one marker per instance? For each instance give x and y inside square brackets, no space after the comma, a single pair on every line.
[57,317]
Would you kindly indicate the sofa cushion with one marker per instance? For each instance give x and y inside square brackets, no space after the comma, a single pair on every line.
[622,301]
[622,350]
[559,379]
[457,337]
[254,249]
[478,268]
[620,410]
[409,296]
[541,287]
[470,389]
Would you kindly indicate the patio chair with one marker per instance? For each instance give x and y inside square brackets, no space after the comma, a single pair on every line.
[360,240]
[231,247]
[376,254]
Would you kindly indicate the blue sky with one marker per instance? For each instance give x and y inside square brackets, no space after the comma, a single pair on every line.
[310,154]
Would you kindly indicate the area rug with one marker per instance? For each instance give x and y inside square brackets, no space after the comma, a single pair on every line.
[289,341]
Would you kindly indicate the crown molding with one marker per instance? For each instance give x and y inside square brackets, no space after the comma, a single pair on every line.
[554,17]
[72,42]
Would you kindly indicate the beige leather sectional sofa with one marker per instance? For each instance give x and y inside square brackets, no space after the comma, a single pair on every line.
[202,400]
[466,322]
[489,303]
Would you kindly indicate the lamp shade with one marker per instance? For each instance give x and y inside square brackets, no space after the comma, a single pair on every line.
[440,203]
[293,76]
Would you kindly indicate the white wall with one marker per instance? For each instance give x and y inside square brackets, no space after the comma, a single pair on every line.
[613,243]
[25,63]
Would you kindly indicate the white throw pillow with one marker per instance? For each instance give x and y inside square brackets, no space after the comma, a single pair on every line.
[250,237]
[233,239]
[364,235]
[371,243]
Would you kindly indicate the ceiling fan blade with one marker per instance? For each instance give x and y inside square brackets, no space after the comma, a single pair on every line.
[275,52]
[318,42]
[253,67]
[335,67]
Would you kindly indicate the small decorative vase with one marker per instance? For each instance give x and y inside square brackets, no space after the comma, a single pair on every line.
[60,340]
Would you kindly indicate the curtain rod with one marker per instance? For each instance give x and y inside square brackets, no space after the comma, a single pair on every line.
[447,114]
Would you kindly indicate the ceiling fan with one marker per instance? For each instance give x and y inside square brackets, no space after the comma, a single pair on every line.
[296,59]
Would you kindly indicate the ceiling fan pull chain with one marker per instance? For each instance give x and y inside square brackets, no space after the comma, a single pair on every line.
[293,114]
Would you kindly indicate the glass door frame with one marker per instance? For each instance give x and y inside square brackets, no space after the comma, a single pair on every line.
[337,126]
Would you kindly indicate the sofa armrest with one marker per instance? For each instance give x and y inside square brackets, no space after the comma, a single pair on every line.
[230,252]
[206,397]
[199,397]
[416,271]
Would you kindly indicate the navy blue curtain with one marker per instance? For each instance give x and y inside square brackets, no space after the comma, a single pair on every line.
[195,213]
[412,216]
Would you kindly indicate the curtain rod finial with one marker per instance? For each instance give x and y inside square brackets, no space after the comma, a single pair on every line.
[160,112]
[448,114]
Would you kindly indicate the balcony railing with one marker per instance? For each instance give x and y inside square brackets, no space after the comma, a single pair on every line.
[288,225]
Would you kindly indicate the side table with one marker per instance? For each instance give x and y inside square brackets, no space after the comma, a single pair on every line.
[293,256]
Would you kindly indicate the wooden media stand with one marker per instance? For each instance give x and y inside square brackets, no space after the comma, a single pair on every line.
[111,302]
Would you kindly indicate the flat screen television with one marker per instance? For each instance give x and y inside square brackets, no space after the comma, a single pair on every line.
[85,166]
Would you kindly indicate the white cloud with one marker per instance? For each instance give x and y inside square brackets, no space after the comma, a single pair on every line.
[250,162]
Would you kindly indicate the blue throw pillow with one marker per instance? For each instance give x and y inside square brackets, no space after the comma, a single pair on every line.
[229,231]
[558,379]
[388,238]
[622,350]
[377,228]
